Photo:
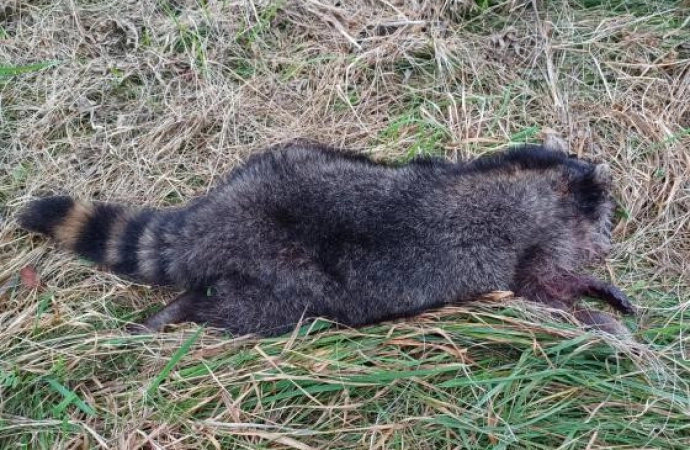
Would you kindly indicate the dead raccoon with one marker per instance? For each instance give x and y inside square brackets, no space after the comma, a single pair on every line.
[304,231]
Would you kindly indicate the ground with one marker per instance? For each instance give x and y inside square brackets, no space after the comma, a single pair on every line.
[149,102]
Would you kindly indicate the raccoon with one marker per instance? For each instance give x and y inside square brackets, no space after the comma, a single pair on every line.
[303,230]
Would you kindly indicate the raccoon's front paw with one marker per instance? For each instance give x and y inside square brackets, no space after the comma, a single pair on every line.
[616,298]
[593,287]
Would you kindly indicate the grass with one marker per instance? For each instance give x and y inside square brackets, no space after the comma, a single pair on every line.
[150,102]
[8,71]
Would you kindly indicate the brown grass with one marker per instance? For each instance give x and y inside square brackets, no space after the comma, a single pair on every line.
[149,102]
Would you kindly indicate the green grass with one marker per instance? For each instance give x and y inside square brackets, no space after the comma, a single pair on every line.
[487,377]
[427,135]
[7,70]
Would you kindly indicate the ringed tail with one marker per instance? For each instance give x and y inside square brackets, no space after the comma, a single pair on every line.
[130,242]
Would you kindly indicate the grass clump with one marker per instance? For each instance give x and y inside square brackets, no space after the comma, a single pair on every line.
[150,102]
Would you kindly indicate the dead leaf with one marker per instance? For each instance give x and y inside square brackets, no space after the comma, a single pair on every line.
[492,421]
[29,277]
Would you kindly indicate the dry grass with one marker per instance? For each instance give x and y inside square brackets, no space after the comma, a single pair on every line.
[148,102]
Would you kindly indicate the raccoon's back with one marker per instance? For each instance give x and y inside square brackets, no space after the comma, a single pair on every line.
[366,225]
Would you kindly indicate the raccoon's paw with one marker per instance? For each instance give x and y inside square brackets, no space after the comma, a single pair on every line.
[616,298]
[181,309]
[623,302]
[602,321]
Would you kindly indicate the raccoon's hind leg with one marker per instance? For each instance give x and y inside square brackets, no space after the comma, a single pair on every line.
[191,306]
[241,306]
[246,305]
[177,311]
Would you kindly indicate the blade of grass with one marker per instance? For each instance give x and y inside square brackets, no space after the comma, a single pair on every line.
[70,397]
[10,71]
[176,357]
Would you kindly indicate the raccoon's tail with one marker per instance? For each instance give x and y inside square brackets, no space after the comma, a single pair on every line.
[128,241]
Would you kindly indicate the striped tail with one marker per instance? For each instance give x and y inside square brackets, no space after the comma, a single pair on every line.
[128,241]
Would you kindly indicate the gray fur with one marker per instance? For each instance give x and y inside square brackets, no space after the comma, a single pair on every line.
[302,231]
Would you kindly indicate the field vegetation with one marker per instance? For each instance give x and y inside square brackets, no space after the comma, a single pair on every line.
[149,102]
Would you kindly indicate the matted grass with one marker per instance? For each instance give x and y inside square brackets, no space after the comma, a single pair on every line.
[149,102]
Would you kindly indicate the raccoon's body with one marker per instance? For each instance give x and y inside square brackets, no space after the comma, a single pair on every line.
[303,231]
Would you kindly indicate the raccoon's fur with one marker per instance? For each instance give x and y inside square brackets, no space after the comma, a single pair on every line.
[303,231]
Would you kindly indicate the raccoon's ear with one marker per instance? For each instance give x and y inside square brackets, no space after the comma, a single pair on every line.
[555,143]
[602,174]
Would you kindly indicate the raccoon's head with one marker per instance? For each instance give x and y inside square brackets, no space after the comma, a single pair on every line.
[584,188]
[589,191]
